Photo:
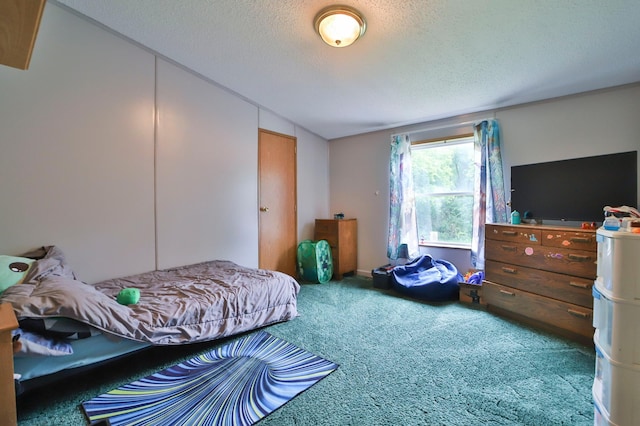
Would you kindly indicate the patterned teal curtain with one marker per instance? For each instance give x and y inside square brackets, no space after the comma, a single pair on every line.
[489,204]
[403,228]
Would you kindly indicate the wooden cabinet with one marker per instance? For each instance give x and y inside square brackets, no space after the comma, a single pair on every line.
[542,275]
[342,236]
[19,23]
[8,323]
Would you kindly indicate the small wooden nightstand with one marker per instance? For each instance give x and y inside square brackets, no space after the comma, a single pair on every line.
[342,235]
[8,323]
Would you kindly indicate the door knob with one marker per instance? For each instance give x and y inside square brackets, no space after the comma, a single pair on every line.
[264,209]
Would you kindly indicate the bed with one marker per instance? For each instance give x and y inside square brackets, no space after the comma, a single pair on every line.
[67,324]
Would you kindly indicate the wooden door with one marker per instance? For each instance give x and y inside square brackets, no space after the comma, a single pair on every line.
[277,202]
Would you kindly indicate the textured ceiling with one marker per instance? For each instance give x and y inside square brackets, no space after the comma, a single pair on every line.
[419,60]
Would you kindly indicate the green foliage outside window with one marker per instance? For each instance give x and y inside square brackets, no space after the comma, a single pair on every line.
[443,182]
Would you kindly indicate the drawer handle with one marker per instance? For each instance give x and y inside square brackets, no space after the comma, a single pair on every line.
[579,257]
[508,248]
[509,270]
[509,233]
[507,293]
[578,313]
[579,285]
[580,240]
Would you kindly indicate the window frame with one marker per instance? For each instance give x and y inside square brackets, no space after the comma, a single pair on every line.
[465,138]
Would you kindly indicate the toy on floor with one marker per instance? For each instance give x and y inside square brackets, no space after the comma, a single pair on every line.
[472,277]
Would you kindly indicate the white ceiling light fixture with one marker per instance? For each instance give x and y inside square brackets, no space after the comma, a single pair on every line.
[340,26]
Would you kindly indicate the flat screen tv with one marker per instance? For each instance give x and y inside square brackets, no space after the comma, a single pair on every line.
[575,189]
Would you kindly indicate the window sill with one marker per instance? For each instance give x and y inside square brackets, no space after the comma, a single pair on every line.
[447,245]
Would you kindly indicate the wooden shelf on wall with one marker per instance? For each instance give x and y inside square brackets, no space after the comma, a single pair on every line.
[19,23]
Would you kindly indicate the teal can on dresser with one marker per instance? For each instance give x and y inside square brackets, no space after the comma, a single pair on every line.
[515,217]
[314,261]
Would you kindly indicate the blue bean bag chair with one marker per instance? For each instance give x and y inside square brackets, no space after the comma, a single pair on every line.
[427,278]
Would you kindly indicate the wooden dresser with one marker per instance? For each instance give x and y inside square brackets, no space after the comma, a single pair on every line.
[342,236]
[542,275]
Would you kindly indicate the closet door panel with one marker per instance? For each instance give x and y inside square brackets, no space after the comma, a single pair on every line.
[206,172]
[77,149]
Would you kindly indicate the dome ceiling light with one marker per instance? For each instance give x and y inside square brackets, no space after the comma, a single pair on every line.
[340,26]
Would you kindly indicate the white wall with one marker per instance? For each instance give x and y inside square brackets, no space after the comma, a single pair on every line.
[588,124]
[89,164]
[313,181]
[584,125]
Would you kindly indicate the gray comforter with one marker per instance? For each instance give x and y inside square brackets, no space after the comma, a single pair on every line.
[192,303]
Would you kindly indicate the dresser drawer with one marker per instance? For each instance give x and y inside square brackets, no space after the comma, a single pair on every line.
[569,239]
[570,317]
[580,263]
[513,233]
[326,226]
[563,287]
[327,230]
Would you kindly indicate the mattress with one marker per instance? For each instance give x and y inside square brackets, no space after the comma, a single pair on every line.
[176,306]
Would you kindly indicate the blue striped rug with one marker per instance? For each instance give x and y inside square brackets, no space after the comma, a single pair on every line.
[237,384]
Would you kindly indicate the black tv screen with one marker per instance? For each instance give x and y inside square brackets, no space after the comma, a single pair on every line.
[575,189]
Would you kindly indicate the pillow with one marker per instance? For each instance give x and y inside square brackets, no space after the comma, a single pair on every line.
[35,345]
[59,328]
[13,270]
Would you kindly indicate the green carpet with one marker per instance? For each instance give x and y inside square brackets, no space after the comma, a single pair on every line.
[402,362]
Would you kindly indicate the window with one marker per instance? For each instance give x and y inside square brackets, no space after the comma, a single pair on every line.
[443,173]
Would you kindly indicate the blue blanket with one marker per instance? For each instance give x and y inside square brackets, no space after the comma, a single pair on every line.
[427,278]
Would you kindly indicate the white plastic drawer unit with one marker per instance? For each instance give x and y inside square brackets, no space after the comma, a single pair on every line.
[616,390]
[600,416]
[618,266]
[617,324]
